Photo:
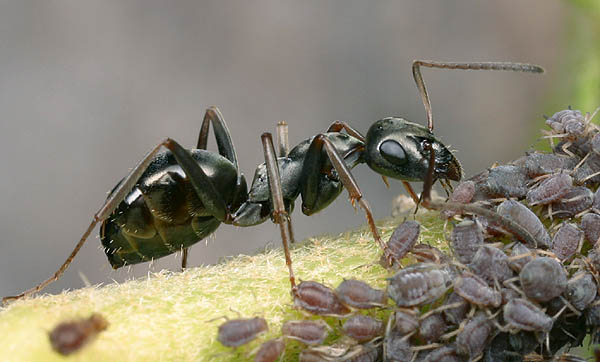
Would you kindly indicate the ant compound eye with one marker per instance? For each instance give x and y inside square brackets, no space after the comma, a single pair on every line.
[393,152]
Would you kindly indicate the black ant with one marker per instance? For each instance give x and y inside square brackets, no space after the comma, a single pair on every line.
[173,199]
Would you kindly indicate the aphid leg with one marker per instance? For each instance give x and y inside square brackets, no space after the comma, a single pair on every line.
[109,206]
[280,215]
[416,69]
[226,149]
[283,144]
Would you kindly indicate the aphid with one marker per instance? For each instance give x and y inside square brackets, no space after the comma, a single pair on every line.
[543,279]
[596,204]
[396,347]
[559,119]
[575,201]
[475,290]
[491,264]
[595,142]
[363,353]
[566,241]
[360,295]
[457,314]
[537,164]
[270,351]
[551,189]
[432,327]
[590,224]
[308,332]
[506,181]
[520,255]
[466,239]
[508,294]
[174,199]
[362,328]
[581,290]
[403,238]
[523,315]
[418,284]
[499,350]
[463,193]
[473,337]
[405,322]
[521,215]
[318,299]
[442,354]
[237,332]
[69,337]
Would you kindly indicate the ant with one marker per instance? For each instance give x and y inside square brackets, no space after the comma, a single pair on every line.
[171,200]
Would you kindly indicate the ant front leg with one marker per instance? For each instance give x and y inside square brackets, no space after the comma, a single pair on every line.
[280,215]
[313,195]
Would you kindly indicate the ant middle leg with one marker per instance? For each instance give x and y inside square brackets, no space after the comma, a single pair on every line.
[280,215]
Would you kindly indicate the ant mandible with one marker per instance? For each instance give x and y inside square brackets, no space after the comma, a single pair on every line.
[171,200]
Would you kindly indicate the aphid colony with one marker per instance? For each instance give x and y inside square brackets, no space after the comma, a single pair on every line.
[520,283]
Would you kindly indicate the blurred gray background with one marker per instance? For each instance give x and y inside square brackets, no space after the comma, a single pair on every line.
[86,88]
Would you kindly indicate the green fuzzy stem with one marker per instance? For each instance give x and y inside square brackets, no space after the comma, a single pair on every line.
[172,316]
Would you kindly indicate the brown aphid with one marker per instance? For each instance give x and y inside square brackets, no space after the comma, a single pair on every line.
[587,173]
[418,284]
[543,279]
[466,239]
[475,290]
[491,264]
[432,327]
[363,353]
[521,215]
[69,337]
[442,354]
[472,339]
[396,348]
[596,204]
[405,322]
[362,328]
[575,201]
[425,253]
[403,238]
[308,332]
[506,181]
[537,164]
[457,314]
[508,294]
[360,295]
[270,351]
[581,290]
[566,241]
[520,255]
[236,332]
[523,315]
[551,189]
[318,299]
[590,224]
[463,193]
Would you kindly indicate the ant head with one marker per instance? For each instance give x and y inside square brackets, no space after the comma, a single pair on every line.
[396,148]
